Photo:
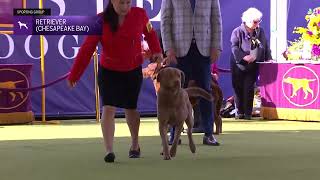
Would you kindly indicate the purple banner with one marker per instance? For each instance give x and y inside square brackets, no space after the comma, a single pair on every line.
[58,25]
[61,50]
[6,10]
[290,86]
[14,76]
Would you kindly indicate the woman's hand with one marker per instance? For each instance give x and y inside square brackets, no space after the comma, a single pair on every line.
[157,58]
[249,58]
[71,84]
[149,70]
[171,57]
[214,55]
[215,76]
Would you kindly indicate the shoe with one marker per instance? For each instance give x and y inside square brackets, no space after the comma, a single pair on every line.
[210,140]
[109,158]
[239,116]
[171,142]
[134,153]
[247,117]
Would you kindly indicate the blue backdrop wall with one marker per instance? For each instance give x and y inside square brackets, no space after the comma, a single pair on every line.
[61,50]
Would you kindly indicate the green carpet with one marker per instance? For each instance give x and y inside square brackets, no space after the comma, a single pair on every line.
[73,150]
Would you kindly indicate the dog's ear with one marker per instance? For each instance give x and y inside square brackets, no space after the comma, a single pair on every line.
[183,78]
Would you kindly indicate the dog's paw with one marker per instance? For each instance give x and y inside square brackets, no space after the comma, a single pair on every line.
[166,157]
[192,148]
[173,152]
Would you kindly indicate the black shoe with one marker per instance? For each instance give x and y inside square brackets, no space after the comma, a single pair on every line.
[134,153]
[248,117]
[210,140]
[109,158]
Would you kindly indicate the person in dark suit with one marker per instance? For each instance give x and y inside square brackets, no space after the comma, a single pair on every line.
[248,45]
[192,39]
[120,71]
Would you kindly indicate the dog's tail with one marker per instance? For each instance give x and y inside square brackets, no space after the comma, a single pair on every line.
[198,92]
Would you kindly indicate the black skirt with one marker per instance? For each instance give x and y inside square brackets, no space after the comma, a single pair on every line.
[120,89]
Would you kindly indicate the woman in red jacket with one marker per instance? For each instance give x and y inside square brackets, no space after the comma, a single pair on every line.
[120,75]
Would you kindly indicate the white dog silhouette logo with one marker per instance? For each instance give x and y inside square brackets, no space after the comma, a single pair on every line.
[22,25]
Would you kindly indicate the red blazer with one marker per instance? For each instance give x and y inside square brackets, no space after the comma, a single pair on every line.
[121,51]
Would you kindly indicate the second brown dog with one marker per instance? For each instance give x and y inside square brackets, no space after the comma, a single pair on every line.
[217,100]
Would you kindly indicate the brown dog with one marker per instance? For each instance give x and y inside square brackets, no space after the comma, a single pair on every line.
[174,108]
[217,100]
[152,72]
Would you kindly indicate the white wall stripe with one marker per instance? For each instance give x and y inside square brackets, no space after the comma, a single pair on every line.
[278,28]
[99,6]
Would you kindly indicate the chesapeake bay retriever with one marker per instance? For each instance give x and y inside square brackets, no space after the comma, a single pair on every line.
[217,101]
[174,108]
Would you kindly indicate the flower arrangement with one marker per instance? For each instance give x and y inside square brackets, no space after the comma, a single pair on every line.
[307,47]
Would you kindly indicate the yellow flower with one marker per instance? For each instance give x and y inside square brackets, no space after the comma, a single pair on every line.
[310,33]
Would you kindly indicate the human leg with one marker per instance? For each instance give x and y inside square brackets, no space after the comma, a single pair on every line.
[237,77]
[201,72]
[248,85]
[197,127]
[133,87]
[108,128]
[133,121]
[114,87]
[206,107]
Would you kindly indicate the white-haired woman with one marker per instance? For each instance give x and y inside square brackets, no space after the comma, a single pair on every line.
[248,45]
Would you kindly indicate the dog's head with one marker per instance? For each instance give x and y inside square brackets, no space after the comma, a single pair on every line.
[171,78]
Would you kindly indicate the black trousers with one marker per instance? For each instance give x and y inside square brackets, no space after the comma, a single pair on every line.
[243,83]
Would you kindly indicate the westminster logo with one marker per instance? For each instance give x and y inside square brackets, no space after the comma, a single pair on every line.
[300,86]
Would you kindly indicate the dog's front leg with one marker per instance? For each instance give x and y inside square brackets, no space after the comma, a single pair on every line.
[165,146]
[177,134]
[218,124]
[190,123]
